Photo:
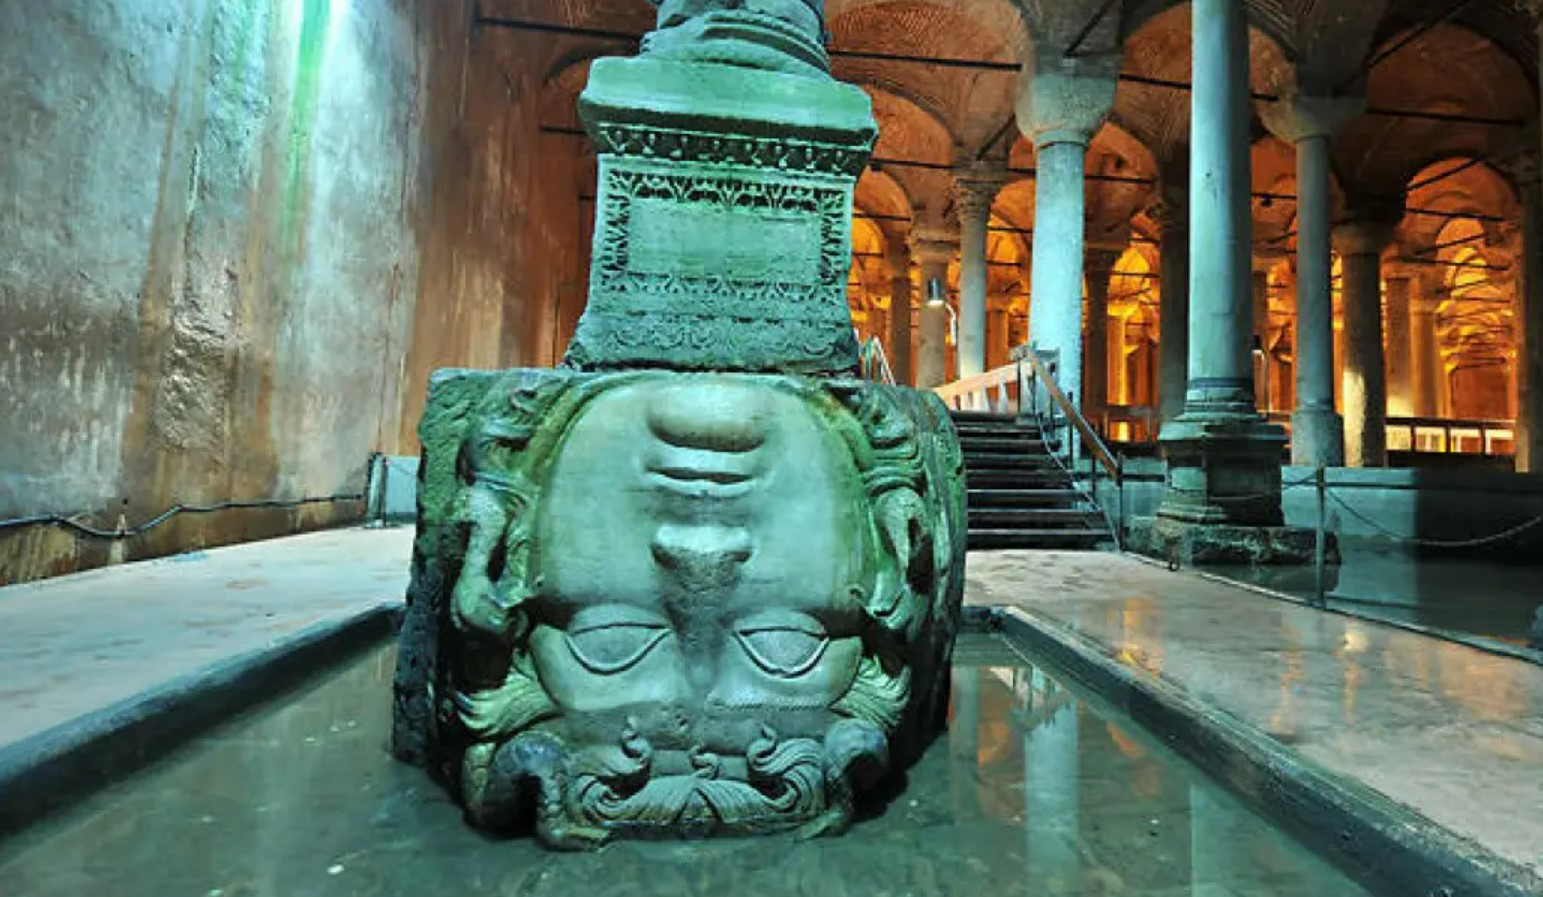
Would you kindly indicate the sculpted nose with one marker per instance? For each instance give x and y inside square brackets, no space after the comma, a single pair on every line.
[702,564]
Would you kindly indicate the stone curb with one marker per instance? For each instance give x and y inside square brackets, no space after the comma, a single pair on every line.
[1389,846]
[43,772]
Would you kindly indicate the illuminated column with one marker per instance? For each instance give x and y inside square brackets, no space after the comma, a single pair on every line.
[974,191]
[1361,244]
[898,259]
[1400,281]
[1529,314]
[1100,268]
[1317,431]
[1261,297]
[1424,357]
[1223,459]
[933,253]
[998,347]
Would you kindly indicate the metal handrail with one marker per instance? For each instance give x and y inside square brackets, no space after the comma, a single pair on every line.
[875,363]
[1096,447]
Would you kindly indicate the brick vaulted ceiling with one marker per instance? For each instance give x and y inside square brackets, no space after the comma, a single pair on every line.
[1474,59]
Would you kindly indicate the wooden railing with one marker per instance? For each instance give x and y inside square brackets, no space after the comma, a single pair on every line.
[1027,388]
[874,363]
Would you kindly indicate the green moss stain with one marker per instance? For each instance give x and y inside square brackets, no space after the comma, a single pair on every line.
[315,16]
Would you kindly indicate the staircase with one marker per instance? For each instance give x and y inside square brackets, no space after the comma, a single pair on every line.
[1019,496]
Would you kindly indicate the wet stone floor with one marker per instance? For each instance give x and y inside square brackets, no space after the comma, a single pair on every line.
[1032,792]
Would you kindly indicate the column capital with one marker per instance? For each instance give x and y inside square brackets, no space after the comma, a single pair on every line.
[934,246]
[1362,237]
[1525,168]
[975,188]
[1298,116]
[1102,259]
[1065,100]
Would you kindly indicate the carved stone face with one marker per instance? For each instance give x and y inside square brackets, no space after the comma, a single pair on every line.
[691,603]
[702,554]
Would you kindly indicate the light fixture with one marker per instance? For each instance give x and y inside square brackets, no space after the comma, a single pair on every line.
[937,299]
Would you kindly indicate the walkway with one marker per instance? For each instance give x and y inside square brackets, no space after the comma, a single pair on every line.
[1450,731]
[80,643]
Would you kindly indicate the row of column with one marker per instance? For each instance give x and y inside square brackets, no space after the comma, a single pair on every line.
[1211,312]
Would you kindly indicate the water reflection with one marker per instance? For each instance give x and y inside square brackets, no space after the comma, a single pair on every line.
[1473,597]
[1032,792]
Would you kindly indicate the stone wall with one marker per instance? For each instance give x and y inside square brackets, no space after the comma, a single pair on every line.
[235,238]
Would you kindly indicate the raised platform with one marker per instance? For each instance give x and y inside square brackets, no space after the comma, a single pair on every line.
[1443,738]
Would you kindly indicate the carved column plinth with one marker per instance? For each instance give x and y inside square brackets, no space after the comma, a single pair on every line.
[700,580]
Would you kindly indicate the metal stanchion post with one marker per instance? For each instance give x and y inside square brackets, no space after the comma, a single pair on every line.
[1318,544]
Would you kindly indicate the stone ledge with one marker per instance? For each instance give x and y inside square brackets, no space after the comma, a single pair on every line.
[1365,833]
[43,772]
[1198,544]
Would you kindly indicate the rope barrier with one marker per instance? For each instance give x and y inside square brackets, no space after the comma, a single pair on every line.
[86,529]
[1501,536]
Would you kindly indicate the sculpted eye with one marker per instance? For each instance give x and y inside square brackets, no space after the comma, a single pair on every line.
[785,645]
[612,639]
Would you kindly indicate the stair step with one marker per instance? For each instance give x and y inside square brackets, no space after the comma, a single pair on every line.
[1035,518]
[1008,461]
[1045,478]
[986,417]
[1018,538]
[987,498]
[975,445]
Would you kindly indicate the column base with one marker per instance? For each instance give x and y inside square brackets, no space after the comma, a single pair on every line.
[1201,544]
[1317,438]
[1222,469]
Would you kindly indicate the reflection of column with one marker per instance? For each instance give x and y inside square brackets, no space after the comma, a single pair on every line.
[898,259]
[1424,360]
[1317,432]
[1095,377]
[973,195]
[1400,345]
[1050,782]
[1365,385]
[933,253]
[964,739]
[1173,287]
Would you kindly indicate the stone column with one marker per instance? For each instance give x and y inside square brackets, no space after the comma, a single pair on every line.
[1060,107]
[1317,432]
[1400,341]
[1424,356]
[1172,214]
[1365,390]
[1222,502]
[1261,349]
[1095,378]
[1529,329]
[897,257]
[998,346]
[974,190]
[933,253]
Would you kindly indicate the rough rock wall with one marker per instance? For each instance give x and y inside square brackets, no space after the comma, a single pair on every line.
[209,256]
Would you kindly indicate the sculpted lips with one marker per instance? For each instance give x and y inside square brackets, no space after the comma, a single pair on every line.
[708,437]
